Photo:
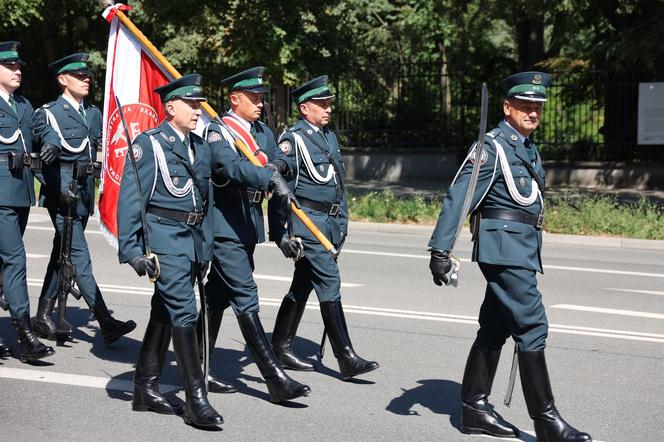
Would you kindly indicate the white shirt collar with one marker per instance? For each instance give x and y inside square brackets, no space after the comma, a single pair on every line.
[72,102]
[179,134]
[5,96]
[518,134]
[313,126]
[245,124]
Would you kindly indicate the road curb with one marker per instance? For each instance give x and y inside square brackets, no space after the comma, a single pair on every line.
[548,238]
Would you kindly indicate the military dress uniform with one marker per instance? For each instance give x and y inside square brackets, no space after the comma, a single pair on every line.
[319,188]
[17,194]
[239,187]
[78,126]
[507,215]
[174,173]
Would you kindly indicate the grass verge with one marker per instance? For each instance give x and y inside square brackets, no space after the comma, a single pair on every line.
[574,215]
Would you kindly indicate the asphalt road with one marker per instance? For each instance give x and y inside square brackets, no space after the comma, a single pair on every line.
[605,350]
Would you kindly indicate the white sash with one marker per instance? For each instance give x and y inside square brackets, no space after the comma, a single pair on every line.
[308,163]
[50,118]
[162,167]
[509,180]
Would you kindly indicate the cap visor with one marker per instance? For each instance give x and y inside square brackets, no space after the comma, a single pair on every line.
[530,98]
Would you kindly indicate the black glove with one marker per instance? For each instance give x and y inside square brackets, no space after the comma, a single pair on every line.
[440,265]
[68,197]
[205,265]
[142,265]
[49,153]
[278,166]
[278,185]
[291,247]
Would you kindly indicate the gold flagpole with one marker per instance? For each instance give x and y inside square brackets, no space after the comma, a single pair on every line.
[239,144]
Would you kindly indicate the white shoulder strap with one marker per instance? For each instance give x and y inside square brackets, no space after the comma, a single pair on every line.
[535,193]
[308,163]
[166,177]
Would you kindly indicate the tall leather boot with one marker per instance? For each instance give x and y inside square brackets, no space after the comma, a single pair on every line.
[31,348]
[214,324]
[549,425]
[5,352]
[477,414]
[42,324]
[197,411]
[350,364]
[280,386]
[285,327]
[147,396]
[111,328]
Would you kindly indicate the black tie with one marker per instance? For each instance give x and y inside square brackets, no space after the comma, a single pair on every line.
[531,149]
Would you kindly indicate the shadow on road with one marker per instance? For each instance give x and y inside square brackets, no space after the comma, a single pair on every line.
[438,395]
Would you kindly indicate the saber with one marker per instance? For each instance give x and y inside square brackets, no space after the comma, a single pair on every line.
[321,350]
[146,233]
[472,184]
[510,384]
[205,335]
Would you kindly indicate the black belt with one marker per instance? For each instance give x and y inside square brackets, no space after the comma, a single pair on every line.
[254,196]
[331,209]
[189,218]
[18,160]
[514,215]
[82,168]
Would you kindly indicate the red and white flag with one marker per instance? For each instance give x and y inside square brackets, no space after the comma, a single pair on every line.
[132,74]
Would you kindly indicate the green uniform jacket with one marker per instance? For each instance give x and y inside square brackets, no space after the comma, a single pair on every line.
[499,242]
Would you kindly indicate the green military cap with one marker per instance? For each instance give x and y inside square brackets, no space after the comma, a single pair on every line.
[187,87]
[9,52]
[530,86]
[72,64]
[250,80]
[316,89]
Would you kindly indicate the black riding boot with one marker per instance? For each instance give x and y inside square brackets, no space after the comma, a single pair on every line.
[477,414]
[350,364]
[111,328]
[214,324]
[549,425]
[280,386]
[31,348]
[285,327]
[148,370]
[198,411]
[5,352]
[42,324]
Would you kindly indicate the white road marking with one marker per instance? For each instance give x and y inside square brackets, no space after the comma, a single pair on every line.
[54,377]
[290,278]
[643,292]
[413,314]
[608,311]
[426,256]
[34,255]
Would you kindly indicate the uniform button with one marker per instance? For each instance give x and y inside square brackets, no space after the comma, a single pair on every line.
[505,226]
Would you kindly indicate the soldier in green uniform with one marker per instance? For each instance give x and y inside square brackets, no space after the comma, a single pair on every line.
[507,219]
[239,188]
[17,194]
[78,125]
[173,165]
[318,186]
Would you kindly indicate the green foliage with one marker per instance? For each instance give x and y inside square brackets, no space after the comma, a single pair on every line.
[386,207]
[18,13]
[574,215]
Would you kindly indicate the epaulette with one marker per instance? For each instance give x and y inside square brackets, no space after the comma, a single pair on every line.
[47,105]
[493,133]
[154,130]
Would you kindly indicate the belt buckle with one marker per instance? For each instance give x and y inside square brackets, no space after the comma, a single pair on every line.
[192,217]
[540,221]
[27,160]
[256,197]
[334,209]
